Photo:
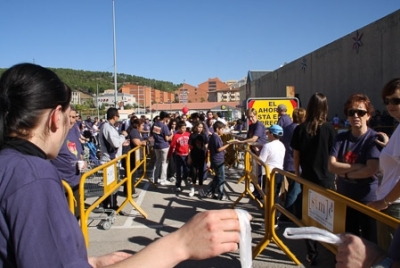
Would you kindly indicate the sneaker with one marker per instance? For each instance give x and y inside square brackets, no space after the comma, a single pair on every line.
[223,198]
[172,179]
[178,189]
[251,187]
[201,193]
[165,182]
[191,192]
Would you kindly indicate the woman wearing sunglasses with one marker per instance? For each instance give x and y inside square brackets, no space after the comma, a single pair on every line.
[388,193]
[354,159]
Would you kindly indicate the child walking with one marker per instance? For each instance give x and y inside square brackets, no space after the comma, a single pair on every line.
[198,142]
[217,157]
[180,147]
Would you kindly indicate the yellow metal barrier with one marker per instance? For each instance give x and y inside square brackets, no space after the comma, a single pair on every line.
[129,174]
[138,163]
[251,170]
[230,152]
[110,184]
[70,196]
[322,208]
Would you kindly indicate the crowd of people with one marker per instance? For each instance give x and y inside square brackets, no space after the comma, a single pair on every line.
[38,124]
[37,228]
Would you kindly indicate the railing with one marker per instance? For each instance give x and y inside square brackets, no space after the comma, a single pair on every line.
[321,207]
[109,184]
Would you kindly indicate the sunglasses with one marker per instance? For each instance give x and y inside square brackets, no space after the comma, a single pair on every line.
[392,101]
[360,113]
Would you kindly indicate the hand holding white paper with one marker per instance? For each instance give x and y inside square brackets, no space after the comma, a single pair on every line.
[245,238]
[312,233]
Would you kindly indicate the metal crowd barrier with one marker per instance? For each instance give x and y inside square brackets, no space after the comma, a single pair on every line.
[138,163]
[107,185]
[321,207]
[251,175]
[70,196]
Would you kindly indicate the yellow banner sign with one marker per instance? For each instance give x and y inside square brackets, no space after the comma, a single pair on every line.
[267,108]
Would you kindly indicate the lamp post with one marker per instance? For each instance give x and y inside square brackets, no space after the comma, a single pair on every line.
[151,111]
[137,99]
[97,101]
[115,56]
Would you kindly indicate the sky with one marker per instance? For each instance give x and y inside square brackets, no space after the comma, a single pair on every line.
[177,40]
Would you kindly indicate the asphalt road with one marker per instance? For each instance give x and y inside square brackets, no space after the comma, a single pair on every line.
[168,210]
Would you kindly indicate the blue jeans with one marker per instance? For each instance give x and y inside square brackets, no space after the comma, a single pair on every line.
[292,202]
[219,179]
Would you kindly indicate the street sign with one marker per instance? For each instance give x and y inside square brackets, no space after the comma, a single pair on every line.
[267,108]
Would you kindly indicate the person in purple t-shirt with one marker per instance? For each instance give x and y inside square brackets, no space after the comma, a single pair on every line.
[70,153]
[283,119]
[161,135]
[354,158]
[256,134]
[217,158]
[32,194]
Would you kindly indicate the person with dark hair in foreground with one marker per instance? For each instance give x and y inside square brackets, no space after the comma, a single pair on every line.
[36,227]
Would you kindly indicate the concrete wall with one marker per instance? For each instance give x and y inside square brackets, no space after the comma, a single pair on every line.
[338,70]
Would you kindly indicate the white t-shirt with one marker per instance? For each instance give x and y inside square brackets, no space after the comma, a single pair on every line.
[222,120]
[389,161]
[95,129]
[188,124]
[273,154]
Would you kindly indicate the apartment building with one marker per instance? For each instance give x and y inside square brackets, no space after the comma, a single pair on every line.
[211,86]
[227,95]
[147,96]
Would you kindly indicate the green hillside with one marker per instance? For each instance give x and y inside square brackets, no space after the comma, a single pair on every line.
[87,81]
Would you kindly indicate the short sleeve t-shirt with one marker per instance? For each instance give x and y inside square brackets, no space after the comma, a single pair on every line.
[135,134]
[36,227]
[69,154]
[160,131]
[197,144]
[314,153]
[214,144]
[288,163]
[258,129]
[284,120]
[389,161]
[350,149]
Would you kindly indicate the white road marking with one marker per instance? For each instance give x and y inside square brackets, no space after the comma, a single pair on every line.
[138,201]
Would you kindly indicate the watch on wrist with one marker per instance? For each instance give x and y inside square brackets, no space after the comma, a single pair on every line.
[385,263]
